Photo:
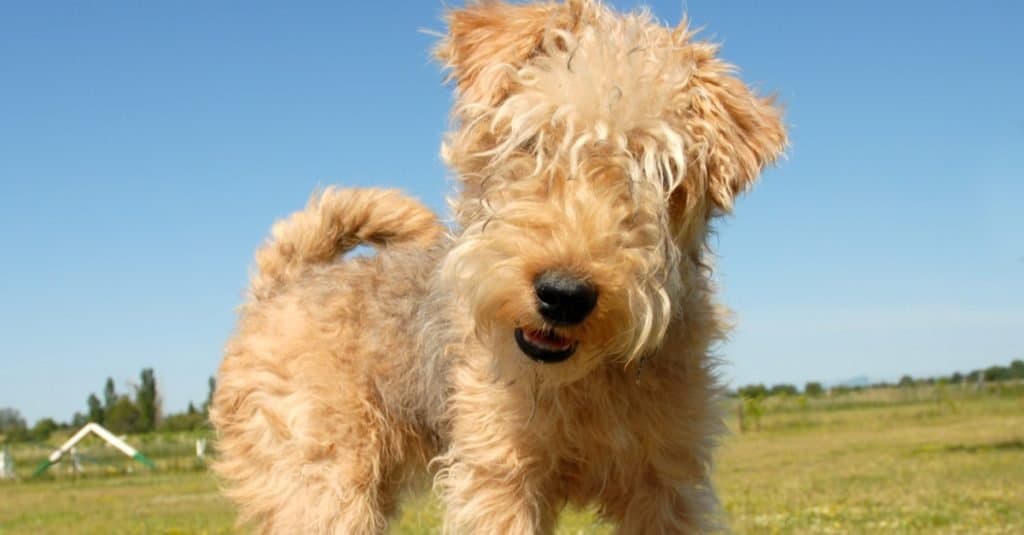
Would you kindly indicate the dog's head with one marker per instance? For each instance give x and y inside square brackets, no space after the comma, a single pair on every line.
[592,149]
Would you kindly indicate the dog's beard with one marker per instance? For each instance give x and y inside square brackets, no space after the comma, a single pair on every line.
[628,324]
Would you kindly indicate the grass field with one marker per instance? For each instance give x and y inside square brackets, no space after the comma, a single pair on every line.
[920,460]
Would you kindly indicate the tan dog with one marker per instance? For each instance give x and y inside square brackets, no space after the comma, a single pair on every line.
[555,348]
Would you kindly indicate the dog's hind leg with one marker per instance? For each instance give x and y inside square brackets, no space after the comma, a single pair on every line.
[303,455]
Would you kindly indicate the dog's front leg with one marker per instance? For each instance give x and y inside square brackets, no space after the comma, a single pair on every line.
[680,508]
[492,477]
[494,497]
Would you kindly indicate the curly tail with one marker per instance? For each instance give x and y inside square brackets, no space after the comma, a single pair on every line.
[333,223]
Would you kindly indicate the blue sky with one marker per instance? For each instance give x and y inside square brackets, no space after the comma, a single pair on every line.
[146,148]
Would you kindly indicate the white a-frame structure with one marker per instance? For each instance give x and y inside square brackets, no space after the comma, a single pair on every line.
[101,432]
[7,465]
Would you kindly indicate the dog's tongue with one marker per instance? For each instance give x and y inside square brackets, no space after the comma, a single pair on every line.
[548,340]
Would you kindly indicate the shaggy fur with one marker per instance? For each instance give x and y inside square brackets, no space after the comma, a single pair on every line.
[585,141]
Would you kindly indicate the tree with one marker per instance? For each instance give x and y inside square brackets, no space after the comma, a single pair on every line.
[146,401]
[123,417]
[78,420]
[109,395]
[10,420]
[814,389]
[96,410]
[209,395]
[1017,369]
[12,425]
[43,428]
[905,381]
[752,408]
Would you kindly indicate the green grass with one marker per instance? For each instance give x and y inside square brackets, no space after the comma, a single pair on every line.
[922,467]
[143,503]
[930,461]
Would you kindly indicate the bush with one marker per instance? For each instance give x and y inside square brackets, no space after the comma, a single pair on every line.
[814,389]
[997,373]
[43,428]
[184,421]
[752,391]
[783,389]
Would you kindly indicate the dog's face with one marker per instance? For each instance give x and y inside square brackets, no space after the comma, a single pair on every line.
[592,149]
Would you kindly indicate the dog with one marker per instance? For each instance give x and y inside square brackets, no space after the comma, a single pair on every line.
[555,344]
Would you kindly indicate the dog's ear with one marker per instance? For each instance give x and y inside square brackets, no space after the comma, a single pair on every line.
[488,38]
[730,132]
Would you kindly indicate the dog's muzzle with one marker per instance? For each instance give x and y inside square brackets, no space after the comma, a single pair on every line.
[562,300]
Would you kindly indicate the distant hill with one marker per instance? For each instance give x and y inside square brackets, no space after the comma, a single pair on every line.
[856,382]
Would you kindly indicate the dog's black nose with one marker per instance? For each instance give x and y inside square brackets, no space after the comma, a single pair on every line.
[564,299]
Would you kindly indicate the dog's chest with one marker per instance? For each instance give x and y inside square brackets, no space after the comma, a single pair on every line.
[605,432]
[598,447]
[600,422]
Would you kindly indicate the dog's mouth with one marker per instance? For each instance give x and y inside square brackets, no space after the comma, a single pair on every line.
[544,345]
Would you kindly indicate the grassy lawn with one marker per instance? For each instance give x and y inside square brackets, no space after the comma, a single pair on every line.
[914,468]
[157,503]
[926,464]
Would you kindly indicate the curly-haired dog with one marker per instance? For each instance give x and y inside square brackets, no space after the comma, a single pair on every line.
[554,348]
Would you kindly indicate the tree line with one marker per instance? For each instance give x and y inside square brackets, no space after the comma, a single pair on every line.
[1015,371]
[139,411]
